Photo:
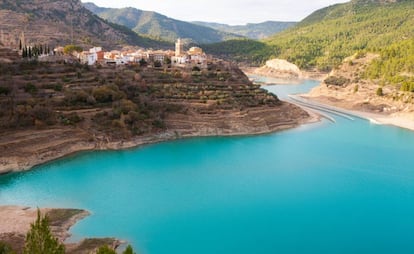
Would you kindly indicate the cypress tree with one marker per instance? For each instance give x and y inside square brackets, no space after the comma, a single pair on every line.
[20,44]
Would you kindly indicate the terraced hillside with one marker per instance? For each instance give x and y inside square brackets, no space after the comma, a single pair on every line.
[63,22]
[51,109]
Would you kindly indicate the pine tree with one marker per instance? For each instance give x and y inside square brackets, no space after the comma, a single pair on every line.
[105,250]
[39,239]
[128,250]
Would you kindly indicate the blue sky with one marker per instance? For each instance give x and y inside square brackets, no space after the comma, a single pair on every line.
[234,12]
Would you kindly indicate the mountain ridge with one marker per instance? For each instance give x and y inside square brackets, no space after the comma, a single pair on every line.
[159,26]
[329,35]
[63,22]
[253,31]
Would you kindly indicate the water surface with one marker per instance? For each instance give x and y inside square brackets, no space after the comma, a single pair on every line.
[344,187]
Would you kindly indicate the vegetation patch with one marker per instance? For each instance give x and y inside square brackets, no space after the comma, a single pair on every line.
[336,81]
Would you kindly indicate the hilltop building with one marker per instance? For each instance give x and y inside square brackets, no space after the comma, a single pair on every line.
[92,56]
[193,57]
[179,48]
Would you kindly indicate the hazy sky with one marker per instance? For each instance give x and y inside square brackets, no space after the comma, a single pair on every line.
[225,11]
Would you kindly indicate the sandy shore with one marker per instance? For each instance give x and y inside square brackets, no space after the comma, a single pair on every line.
[281,78]
[400,119]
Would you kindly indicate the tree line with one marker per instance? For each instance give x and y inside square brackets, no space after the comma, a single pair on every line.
[34,51]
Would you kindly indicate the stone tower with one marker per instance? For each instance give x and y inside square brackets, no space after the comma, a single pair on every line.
[179,48]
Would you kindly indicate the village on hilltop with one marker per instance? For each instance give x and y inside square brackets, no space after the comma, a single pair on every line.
[194,57]
[178,58]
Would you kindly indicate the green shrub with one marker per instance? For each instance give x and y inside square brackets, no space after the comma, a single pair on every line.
[76,96]
[356,88]
[69,49]
[4,90]
[5,248]
[105,250]
[126,106]
[336,81]
[30,88]
[107,93]
[44,114]
[70,119]
[159,124]
[58,87]
[380,92]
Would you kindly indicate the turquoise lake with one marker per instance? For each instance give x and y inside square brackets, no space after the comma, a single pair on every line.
[344,187]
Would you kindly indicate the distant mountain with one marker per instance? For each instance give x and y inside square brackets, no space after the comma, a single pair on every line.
[63,22]
[251,31]
[329,35]
[158,26]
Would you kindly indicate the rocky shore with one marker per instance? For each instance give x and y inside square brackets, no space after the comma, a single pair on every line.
[357,96]
[284,72]
[64,108]
[22,150]
[382,104]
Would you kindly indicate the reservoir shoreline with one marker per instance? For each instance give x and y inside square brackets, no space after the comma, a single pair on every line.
[10,164]
[401,119]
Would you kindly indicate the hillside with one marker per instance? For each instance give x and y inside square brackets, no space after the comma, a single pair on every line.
[252,31]
[395,66]
[158,26]
[57,22]
[387,99]
[329,35]
[48,110]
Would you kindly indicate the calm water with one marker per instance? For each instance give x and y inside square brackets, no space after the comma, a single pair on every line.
[346,187]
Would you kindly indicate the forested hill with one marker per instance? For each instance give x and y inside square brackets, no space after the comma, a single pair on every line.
[158,26]
[394,66]
[329,35]
[253,31]
[65,21]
